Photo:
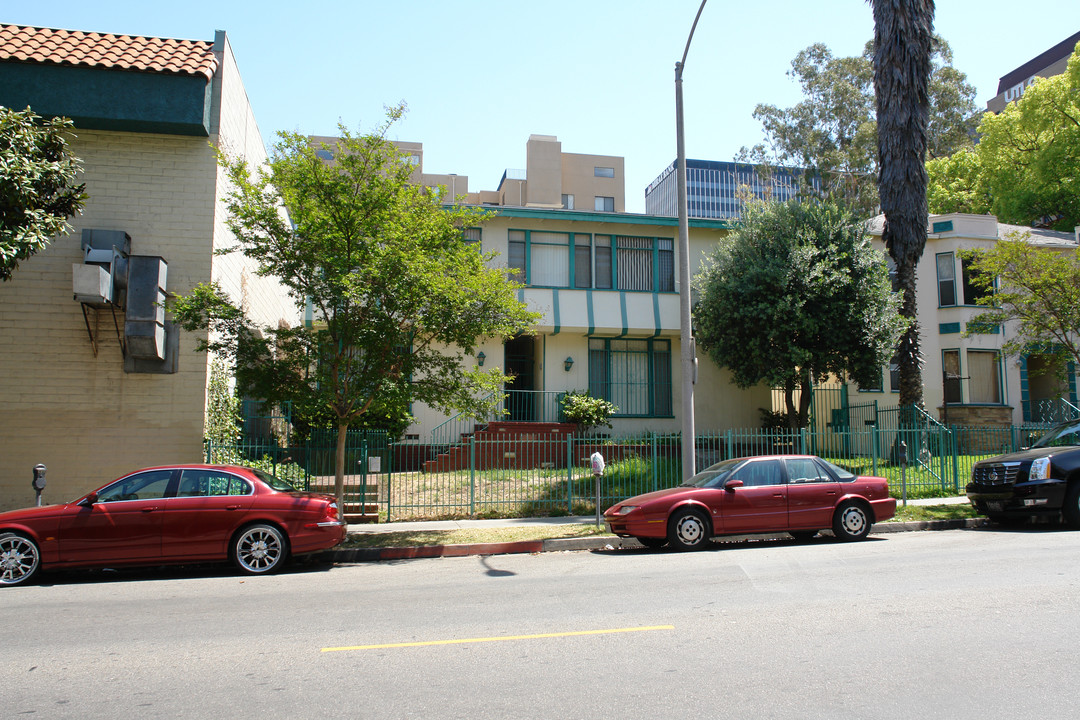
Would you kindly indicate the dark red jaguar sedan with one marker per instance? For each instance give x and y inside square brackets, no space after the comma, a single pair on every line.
[796,494]
[172,514]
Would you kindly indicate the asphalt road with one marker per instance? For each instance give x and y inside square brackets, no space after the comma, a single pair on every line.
[955,624]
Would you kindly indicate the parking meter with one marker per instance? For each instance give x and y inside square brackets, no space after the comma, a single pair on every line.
[903,471]
[597,461]
[38,483]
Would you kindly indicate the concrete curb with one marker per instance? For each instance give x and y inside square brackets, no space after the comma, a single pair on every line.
[357,555]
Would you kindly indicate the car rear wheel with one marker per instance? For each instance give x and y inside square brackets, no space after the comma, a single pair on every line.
[19,559]
[688,530]
[851,521]
[651,542]
[259,549]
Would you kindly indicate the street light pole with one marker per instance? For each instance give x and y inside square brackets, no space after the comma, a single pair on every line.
[686,336]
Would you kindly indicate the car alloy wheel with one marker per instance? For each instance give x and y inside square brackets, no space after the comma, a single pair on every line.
[852,522]
[688,530]
[259,549]
[19,559]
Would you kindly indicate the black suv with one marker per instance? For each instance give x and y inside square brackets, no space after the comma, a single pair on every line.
[1041,481]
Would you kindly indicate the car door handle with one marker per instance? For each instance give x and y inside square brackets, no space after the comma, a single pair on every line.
[149,509]
[232,507]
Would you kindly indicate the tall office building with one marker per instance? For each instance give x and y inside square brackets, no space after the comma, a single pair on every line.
[715,189]
[1052,62]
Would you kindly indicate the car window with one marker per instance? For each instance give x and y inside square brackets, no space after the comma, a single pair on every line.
[759,473]
[805,470]
[211,483]
[713,475]
[836,471]
[148,485]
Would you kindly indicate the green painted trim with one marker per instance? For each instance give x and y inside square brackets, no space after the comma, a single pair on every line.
[983,328]
[604,217]
[555,309]
[118,100]
[589,305]
[944,226]
[952,328]
[656,314]
[622,309]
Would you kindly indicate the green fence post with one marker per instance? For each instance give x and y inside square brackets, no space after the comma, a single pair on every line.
[729,442]
[954,447]
[655,463]
[472,474]
[569,474]
[389,478]
[874,442]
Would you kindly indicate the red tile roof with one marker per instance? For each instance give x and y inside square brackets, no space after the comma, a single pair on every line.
[125,52]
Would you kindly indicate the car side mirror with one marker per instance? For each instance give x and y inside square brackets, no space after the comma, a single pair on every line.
[89,500]
[730,485]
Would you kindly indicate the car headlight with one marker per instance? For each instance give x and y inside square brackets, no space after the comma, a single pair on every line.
[1040,469]
[626,509]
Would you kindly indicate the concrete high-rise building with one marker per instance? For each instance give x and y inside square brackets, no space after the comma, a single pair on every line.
[1011,86]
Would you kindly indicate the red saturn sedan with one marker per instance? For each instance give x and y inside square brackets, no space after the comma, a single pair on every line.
[172,514]
[797,494]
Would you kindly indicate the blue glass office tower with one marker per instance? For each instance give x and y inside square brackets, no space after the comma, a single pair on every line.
[713,188]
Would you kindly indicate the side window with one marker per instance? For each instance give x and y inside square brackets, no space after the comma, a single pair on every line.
[209,483]
[805,470]
[759,473]
[148,485]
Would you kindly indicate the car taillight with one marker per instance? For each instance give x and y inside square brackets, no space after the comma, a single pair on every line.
[332,510]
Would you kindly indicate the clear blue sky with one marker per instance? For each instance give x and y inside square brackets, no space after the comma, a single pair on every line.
[480,76]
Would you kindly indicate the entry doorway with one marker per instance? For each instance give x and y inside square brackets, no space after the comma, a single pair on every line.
[1045,389]
[520,365]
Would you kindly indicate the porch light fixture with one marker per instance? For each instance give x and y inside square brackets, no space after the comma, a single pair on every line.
[480,357]
[569,363]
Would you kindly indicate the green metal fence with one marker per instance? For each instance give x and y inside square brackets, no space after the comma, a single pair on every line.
[532,474]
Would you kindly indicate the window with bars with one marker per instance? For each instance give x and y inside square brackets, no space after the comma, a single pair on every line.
[583,260]
[634,374]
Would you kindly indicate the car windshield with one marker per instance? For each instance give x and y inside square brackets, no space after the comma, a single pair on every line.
[273,482]
[714,475]
[1067,434]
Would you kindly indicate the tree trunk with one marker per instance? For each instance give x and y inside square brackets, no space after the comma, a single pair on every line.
[903,33]
[339,468]
[805,398]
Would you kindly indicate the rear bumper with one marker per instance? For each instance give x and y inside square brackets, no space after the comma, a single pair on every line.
[883,509]
[314,537]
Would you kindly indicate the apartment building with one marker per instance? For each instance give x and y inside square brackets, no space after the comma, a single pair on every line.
[93,386]
[967,380]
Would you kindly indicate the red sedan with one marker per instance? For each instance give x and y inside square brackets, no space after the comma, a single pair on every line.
[172,514]
[797,494]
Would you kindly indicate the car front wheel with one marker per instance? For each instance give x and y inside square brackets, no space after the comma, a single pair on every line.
[259,550]
[19,559]
[688,530]
[851,522]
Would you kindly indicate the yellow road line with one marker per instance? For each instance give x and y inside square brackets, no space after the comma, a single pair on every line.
[499,639]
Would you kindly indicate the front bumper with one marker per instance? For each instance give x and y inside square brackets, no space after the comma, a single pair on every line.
[1039,497]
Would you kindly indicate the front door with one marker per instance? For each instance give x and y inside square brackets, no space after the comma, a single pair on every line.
[124,524]
[520,364]
[761,504]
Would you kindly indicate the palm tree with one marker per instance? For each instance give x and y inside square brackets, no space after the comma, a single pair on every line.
[903,36]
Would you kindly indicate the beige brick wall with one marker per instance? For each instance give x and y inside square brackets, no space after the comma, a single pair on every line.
[81,415]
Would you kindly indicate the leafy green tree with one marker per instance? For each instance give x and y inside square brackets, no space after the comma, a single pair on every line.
[37,184]
[797,293]
[832,132]
[1038,290]
[400,300]
[1026,167]
[904,41]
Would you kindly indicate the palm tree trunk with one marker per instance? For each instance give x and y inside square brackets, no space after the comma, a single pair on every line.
[903,34]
